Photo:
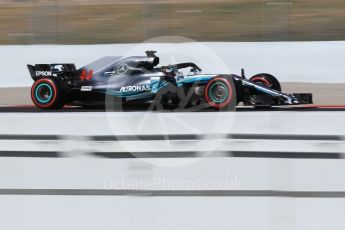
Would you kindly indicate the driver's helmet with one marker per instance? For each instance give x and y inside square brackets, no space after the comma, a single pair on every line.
[171,70]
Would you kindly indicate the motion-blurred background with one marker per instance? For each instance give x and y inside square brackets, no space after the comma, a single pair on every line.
[127,21]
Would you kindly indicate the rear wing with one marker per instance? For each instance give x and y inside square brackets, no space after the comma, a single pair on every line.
[49,70]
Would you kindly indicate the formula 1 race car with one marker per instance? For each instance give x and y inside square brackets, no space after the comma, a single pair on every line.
[137,78]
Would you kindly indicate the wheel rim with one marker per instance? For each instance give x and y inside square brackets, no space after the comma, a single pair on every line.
[44,93]
[218,92]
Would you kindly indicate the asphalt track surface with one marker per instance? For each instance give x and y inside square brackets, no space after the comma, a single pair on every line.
[144,108]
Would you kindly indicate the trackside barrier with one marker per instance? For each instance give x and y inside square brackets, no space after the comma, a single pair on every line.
[274,170]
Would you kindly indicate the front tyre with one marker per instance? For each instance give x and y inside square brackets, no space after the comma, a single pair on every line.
[267,80]
[220,93]
[48,93]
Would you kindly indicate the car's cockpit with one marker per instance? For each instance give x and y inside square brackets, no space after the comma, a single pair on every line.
[138,65]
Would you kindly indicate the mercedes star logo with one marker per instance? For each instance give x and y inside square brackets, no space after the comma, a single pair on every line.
[121,69]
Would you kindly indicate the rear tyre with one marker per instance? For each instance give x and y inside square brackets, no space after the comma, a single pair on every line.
[48,93]
[267,80]
[220,93]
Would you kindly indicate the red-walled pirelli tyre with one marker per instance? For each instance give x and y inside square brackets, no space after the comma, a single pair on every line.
[220,93]
[48,93]
[267,80]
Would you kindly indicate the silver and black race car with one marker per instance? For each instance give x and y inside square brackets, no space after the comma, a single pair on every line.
[138,79]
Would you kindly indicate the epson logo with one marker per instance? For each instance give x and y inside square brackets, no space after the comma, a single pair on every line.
[43,74]
[135,88]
